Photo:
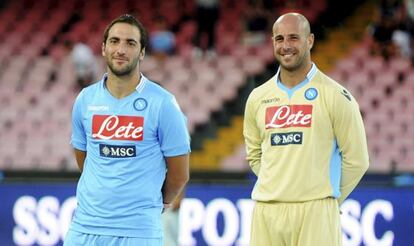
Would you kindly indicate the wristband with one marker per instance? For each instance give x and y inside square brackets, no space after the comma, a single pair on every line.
[167,205]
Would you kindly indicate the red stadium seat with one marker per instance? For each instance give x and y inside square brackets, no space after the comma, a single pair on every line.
[400,65]
[347,66]
[373,65]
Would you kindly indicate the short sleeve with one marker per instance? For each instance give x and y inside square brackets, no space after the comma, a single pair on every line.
[78,139]
[173,133]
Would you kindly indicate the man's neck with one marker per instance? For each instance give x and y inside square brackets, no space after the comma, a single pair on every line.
[122,86]
[292,78]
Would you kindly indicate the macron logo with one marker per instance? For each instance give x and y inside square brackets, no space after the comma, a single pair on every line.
[98,108]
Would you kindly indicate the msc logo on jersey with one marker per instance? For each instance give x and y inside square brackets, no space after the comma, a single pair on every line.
[116,151]
[311,94]
[118,127]
[277,139]
[288,116]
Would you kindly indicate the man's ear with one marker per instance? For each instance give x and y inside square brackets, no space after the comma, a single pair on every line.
[311,39]
[103,49]
[142,54]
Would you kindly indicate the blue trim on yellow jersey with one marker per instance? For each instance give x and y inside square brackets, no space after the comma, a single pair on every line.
[335,170]
[290,91]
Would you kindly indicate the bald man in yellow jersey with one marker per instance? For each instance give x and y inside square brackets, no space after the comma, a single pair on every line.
[306,143]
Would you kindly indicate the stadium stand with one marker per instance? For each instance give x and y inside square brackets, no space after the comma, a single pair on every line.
[37,80]
[37,77]
[382,88]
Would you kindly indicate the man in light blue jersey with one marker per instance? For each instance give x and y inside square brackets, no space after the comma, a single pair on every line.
[131,144]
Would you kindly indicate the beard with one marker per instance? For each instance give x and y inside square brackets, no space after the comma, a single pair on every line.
[125,70]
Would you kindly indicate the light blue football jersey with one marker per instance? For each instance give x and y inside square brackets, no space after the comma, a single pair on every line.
[126,140]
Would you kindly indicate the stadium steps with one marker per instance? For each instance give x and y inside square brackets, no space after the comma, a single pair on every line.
[216,149]
[337,45]
[340,41]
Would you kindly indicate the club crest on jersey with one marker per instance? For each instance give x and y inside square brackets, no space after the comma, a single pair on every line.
[118,127]
[288,116]
[117,151]
[140,104]
[277,139]
[311,94]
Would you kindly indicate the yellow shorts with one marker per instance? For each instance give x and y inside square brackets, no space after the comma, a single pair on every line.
[312,223]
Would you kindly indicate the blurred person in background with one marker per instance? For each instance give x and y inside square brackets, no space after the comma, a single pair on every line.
[403,36]
[84,62]
[390,35]
[306,143]
[162,40]
[381,37]
[207,16]
[409,8]
[131,145]
[256,23]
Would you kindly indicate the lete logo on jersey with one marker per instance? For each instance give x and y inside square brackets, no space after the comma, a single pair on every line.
[118,127]
[288,116]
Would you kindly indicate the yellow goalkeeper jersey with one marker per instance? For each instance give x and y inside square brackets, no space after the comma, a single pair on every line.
[304,143]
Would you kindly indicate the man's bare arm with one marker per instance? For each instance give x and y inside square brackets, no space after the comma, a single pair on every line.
[177,177]
[80,158]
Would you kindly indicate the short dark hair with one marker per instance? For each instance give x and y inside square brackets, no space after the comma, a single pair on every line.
[129,19]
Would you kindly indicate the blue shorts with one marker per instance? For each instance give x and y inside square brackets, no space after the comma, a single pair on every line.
[74,238]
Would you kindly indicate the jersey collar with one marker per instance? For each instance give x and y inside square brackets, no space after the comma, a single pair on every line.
[141,84]
[140,87]
[309,76]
